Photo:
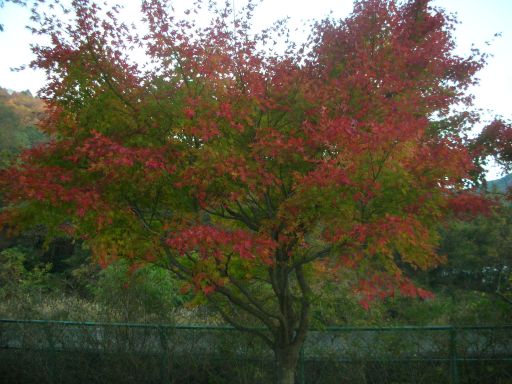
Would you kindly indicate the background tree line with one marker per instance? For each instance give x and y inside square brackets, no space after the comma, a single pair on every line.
[19,112]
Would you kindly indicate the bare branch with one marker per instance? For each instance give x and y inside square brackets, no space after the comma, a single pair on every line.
[229,319]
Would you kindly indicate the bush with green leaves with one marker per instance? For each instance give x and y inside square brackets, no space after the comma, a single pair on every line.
[14,274]
[147,294]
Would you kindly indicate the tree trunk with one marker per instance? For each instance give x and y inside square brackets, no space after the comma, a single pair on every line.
[286,359]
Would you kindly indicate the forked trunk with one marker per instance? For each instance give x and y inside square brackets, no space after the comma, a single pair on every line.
[286,360]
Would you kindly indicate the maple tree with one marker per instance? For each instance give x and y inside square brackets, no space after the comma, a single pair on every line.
[253,175]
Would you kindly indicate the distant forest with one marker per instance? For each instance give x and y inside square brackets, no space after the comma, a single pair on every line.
[19,113]
[500,184]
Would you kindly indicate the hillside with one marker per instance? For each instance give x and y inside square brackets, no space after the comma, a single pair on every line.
[500,184]
[19,114]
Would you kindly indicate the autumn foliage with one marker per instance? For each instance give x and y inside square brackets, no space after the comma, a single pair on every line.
[495,141]
[251,174]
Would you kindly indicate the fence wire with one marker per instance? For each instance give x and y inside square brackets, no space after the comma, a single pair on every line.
[70,352]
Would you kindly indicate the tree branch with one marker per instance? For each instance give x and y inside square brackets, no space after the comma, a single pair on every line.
[247,307]
[305,305]
[236,324]
[251,299]
[233,216]
[318,255]
[135,209]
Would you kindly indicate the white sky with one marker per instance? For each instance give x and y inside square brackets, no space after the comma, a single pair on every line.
[479,21]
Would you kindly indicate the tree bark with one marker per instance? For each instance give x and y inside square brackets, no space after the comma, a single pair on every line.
[286,359]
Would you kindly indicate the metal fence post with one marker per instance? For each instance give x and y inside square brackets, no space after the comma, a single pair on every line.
[454,372]
[301,366]
[52,355]
[164,363]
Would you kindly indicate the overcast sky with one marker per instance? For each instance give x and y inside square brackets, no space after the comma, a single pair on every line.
[479,21]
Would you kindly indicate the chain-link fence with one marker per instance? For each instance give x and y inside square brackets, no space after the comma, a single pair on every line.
[409,355]
[69,352]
